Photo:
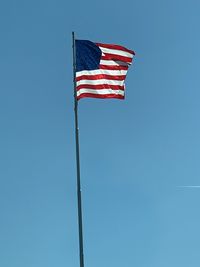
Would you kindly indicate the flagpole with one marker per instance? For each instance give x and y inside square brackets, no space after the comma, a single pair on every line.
[80,224]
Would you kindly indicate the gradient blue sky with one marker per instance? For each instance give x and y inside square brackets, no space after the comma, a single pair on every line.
[134,153]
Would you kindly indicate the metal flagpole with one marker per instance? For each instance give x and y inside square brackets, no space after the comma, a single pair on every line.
[80,224]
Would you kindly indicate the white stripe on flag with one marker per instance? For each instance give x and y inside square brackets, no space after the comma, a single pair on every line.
[101,71]
[116,52]
[113,63]
[100,81]
[100,92]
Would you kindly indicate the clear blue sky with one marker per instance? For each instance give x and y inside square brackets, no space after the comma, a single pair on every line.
[134,153]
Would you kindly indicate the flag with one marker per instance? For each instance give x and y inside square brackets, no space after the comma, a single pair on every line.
[101,69]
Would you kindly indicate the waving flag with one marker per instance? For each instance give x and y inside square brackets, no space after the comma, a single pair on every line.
[101,69]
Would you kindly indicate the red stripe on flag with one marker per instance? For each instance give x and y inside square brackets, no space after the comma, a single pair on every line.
[117,47]
[101,76]
[114,57]
[100,86]
[100,96]
[109,67]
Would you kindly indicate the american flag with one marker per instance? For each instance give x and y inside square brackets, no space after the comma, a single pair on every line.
[101,69]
